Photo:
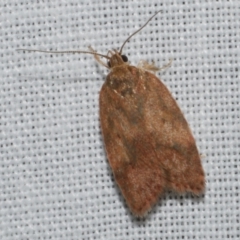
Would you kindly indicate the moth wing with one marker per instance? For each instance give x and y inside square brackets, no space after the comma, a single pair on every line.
[148,142]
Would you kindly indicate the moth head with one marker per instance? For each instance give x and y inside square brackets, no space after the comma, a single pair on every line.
[116,59]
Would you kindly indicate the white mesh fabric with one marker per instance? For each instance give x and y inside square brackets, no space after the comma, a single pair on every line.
[55,179]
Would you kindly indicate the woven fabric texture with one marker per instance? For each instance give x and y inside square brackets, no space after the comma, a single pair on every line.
[55,180]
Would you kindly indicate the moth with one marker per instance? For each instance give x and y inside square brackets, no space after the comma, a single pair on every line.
[148,142]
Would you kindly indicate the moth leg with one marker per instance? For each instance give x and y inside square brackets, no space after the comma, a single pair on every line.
[97,58]
[166,66]
[148,66]
[152,67]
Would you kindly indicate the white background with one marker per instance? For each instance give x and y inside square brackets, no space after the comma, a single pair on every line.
[55,181]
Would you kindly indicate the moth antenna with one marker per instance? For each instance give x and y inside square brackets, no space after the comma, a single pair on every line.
[138,30]
[70,51]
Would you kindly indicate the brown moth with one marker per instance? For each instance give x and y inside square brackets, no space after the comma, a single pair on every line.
[148,141]
[149,145]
